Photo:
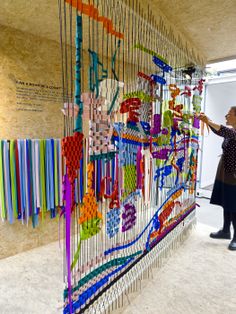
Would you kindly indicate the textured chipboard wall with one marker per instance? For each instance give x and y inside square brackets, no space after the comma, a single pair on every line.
[30,80]
[17,238]
[27,59]
[30,86]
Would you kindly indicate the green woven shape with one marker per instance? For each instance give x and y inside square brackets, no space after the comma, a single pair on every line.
[101,269]
[197,103]
[132,127]
[158,162]
[167,119]
[90,228]
[130,180]
[151,52]
[2,190]
[139,94]
[87,230]
[107,156]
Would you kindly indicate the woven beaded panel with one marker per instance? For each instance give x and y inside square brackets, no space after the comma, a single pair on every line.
[130,146]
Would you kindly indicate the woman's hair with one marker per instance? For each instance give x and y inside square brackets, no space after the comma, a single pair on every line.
[234,109]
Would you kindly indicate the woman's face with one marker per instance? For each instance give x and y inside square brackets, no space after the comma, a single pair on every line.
[231,118]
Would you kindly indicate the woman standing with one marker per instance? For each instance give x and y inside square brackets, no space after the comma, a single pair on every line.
[224,190]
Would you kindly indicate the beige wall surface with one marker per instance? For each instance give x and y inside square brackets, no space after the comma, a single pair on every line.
[30,86]
[17,238]
[30,107]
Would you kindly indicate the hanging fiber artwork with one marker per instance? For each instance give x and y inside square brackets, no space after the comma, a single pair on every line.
[129,149]
[30,179]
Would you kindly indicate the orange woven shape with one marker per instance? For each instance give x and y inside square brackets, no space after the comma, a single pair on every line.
[175,90]
[91,11]
[89,209]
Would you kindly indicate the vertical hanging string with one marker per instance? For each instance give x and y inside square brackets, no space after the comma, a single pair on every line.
[62,58]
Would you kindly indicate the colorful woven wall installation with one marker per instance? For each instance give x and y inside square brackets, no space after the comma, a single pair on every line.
[135,177]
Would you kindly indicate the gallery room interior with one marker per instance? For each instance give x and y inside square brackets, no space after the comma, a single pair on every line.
[117,156]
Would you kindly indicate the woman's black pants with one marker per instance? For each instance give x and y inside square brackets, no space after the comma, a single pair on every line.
[229,216]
